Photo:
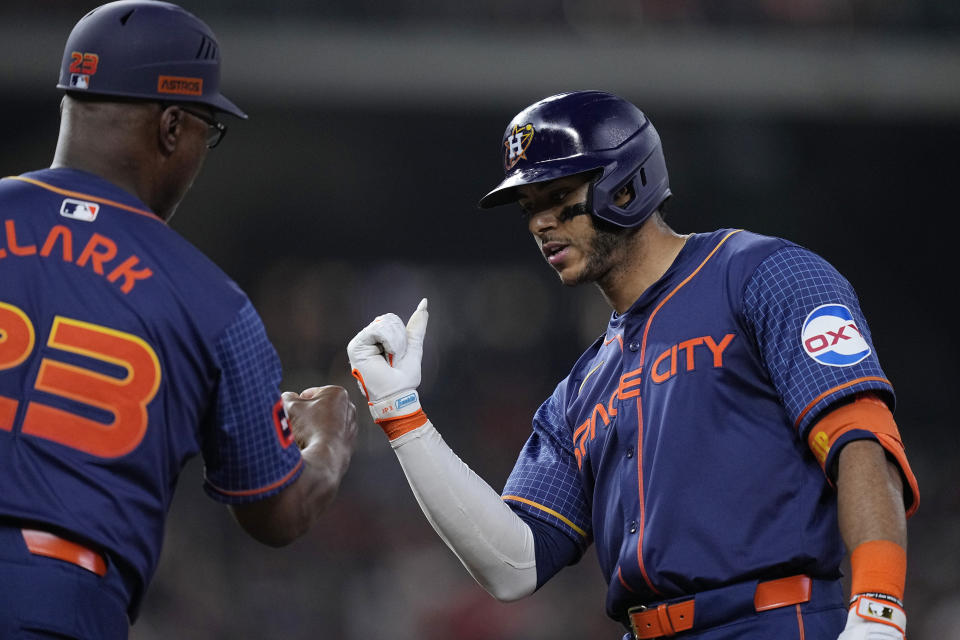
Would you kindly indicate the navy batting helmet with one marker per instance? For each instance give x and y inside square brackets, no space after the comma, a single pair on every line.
[582,131]
[144,49]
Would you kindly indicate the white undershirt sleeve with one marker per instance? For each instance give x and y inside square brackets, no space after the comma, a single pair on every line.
[491,541]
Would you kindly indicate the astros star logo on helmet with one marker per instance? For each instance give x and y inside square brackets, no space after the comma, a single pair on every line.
[517,143]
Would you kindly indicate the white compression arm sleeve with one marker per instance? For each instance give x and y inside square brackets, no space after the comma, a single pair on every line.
[492,542]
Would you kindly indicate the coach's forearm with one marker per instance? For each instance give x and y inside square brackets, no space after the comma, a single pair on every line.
[491,541]
[280,519]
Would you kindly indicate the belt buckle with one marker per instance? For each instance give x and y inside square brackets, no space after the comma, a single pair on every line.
[632,611]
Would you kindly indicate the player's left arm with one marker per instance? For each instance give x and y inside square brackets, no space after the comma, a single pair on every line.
[841,405]
[874,528]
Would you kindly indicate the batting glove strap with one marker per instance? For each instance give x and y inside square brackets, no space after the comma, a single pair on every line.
[398,414]
[878,615]
[398,405]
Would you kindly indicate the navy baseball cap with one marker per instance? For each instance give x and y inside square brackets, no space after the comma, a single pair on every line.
[145,49]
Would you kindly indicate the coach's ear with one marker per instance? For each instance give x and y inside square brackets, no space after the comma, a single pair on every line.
[170,128]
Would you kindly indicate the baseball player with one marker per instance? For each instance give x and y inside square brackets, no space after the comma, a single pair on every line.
[124,352]
[725,441]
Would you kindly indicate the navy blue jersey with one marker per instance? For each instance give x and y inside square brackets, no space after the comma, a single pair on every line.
[124,352]
[678,441]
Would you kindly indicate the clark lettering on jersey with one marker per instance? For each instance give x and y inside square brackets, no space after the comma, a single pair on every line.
[98,254]
[680,357]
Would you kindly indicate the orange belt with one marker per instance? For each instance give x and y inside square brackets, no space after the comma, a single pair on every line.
[670,619]
[44,543]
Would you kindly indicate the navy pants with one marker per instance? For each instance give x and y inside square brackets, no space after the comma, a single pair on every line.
[45,598]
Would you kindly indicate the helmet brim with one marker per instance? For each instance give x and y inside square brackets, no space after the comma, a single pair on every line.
[506,191]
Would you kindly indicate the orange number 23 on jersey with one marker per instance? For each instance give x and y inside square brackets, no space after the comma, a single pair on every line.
[126,398]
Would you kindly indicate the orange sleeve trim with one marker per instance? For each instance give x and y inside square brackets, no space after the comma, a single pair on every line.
[555,514]
[253,492]
[85,196]
[828,392]
[398,426]
[868,413]
[878,566]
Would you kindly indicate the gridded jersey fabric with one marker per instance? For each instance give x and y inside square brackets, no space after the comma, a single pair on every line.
[677,441]
[124,353]
[244,463]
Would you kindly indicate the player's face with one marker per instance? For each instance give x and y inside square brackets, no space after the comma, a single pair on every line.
[557,216]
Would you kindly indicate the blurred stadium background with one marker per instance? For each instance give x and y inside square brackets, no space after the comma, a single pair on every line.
[374,128]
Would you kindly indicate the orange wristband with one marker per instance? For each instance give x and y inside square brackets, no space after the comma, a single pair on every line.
[398,426]
[878,566]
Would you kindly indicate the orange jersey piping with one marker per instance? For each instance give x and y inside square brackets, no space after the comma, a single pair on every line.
[834,390]
[643,351]
[251,492]
[85,196]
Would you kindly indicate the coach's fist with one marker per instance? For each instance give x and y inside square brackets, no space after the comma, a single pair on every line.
[322,416]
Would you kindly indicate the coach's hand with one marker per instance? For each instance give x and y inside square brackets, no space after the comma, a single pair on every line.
[321,413]
[872,618]
[385,359]
[324,424]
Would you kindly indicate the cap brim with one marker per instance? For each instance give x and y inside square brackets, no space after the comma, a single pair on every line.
[221,103]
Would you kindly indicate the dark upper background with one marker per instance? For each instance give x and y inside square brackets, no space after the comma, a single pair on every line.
[375,127]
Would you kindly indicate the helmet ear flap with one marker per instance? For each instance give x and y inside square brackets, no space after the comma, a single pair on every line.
[646,176]
[632,207]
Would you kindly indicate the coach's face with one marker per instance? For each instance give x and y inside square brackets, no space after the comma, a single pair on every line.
[183,144]
[557,216]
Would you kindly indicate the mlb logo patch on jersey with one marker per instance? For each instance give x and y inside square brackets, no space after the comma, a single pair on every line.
[79,210]
[831,337]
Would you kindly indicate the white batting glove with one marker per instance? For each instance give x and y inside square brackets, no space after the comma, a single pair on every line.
[874,618]
[385,359]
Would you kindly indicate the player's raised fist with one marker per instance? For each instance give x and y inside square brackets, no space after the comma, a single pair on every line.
[385,359]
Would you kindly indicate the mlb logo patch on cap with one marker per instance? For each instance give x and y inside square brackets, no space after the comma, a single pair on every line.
[79,81]
[831,337]
[79,210]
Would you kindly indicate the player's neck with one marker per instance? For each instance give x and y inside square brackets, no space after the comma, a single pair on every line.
[644,261]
